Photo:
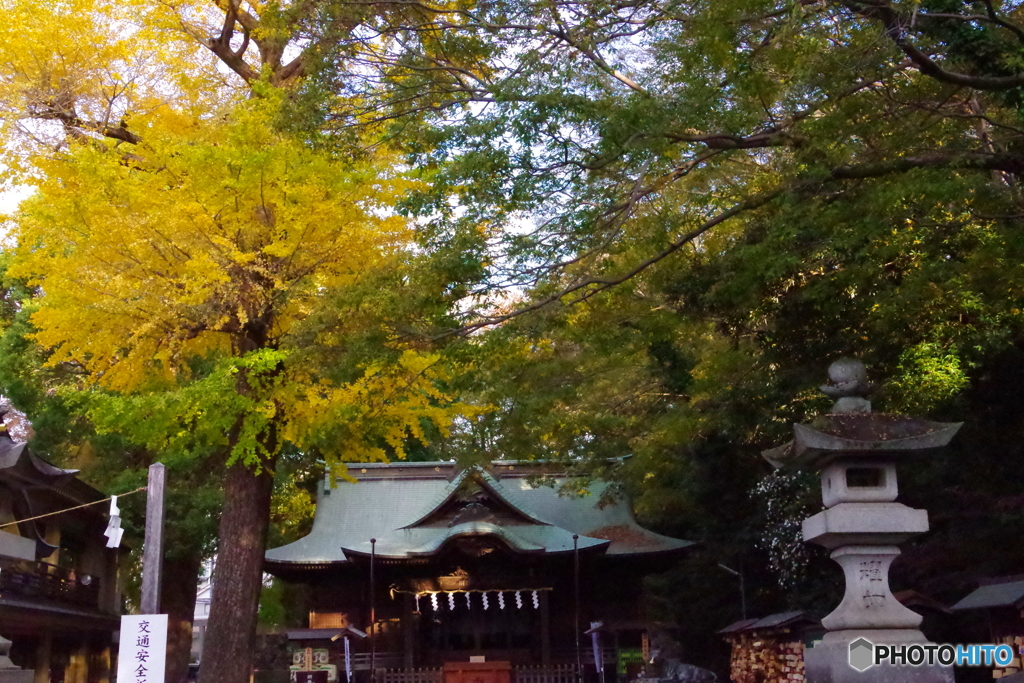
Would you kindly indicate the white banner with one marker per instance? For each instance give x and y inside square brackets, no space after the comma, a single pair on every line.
[143,652]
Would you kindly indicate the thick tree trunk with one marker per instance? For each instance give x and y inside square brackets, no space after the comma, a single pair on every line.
[237,577]
[178,600]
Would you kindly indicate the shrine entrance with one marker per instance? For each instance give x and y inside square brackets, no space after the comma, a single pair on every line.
[494,624]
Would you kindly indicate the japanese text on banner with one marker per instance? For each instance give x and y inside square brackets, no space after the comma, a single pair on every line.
[143,650]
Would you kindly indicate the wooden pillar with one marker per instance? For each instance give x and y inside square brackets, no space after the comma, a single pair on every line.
[43,653]
[477,642]
[77,670]
[153,549]
[545,629]
[408,630]
[104,665]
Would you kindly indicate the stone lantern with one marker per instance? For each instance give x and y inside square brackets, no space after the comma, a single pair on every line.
[856,452]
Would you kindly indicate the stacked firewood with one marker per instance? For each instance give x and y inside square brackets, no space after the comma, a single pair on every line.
[1015,642]
[776,657]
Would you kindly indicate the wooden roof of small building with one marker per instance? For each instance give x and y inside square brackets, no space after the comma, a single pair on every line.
[414,510]
[43,487]
[772,622]
[994,593]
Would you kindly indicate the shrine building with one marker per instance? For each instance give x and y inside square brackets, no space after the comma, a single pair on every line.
[473,563]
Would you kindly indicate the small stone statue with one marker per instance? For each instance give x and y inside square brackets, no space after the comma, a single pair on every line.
[666,665]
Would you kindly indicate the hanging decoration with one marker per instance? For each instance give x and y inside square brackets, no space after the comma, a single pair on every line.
[321,656]
[348,660]
[486,595]
[595,642]
[114,532]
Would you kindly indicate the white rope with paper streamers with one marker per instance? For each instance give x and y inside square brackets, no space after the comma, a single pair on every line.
[486,604]
[433,600]
[536,600]
[469,603]
[501,600]
[451,601]
[519,600]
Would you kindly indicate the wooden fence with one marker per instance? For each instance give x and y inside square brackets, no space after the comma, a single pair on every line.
[544,674]
[520,674]
[382,660]
[413,676]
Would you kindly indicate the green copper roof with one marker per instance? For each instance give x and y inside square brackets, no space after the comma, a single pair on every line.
[415,509]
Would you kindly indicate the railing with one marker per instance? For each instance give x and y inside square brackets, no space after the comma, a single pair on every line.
[545,674]
[564,654]
[413,676]
[58,586]
[382,660]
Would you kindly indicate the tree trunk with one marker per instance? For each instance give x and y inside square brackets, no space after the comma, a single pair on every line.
[178,600]
[237,577]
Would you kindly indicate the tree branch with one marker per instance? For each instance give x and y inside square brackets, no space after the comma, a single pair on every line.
[587,288]
[72,121]
[891,20]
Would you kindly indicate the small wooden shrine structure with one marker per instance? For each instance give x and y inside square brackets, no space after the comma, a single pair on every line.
[474,563]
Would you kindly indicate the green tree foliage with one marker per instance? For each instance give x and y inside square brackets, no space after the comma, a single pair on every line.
[187,237]
[682,211]
[63,432]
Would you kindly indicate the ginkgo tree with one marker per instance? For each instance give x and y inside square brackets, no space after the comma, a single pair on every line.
[188,247]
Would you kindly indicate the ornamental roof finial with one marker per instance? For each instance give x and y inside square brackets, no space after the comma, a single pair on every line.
[849,384]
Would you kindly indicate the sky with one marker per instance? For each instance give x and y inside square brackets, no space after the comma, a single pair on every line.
[8,203]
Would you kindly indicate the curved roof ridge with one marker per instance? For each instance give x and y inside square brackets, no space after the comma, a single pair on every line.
[438,502]
[491,484]
[513,499]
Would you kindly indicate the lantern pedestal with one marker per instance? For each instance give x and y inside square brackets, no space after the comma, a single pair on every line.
[829,660]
